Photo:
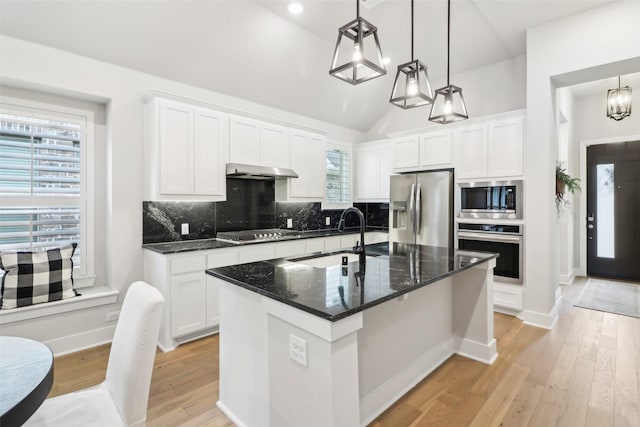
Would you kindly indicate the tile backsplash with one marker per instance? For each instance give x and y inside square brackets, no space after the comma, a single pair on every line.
[249,205]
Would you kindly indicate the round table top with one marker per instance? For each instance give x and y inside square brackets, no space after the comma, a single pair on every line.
[26,377]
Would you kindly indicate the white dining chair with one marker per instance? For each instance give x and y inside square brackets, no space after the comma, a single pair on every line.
[121,400]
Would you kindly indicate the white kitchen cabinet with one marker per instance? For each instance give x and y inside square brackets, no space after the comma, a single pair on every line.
[494,149]
[244,140]
[436,149]
[274,146]
[213,302]
[473,152]
[505,147]
[373,171]
[308,160]
[188,303]
[406,152]
[185,151]
[253,142]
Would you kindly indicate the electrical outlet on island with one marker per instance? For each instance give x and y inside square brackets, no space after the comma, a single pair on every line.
[185,229]
[289,222]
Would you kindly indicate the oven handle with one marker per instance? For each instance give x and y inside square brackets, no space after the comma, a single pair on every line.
[488,237]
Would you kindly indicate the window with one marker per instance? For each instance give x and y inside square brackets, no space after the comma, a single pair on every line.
[44,202]
[338,194]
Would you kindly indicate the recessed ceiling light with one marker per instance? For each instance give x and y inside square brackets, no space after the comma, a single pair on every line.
[296,8]
[386,60]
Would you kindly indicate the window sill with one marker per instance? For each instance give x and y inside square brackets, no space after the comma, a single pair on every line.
[335,206]
[91,297]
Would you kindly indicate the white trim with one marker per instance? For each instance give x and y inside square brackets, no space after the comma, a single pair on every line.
[582,267]
[485,353]
[229,414]
[567,279]
[93,297]
[82,341]
[542,320]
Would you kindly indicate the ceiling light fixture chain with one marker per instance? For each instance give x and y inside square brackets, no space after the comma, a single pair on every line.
[448,105]
[411,87]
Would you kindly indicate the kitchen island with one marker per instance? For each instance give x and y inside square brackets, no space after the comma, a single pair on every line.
[306,341]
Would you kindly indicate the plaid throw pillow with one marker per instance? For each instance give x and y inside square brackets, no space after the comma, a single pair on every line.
[36,277]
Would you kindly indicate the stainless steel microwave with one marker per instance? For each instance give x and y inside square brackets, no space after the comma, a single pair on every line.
[491,199]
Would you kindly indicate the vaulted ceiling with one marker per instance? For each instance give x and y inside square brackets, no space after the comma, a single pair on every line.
[258,51]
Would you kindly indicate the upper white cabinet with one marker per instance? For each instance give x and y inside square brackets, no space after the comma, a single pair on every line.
[492,150]
[254,142]
[308,160]
[185,151]
[425,151]
[373,170]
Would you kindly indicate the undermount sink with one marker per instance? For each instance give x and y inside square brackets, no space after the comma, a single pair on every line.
[324,261]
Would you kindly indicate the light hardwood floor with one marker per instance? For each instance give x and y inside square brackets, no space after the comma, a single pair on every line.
[586,372]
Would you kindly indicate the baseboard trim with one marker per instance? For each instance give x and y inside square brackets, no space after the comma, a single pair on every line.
[542,320]
[567,279]
[229,414]
[72,343]
[485,353]
[508,311]
[388,393]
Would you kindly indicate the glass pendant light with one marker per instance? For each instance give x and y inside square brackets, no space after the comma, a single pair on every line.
[619,102]
[412,87]
[355,40]
[448,105]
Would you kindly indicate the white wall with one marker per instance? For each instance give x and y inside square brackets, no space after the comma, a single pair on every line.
[496,88]
[120,165]
[568,51]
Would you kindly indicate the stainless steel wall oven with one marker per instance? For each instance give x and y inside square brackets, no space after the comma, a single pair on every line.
[505,239]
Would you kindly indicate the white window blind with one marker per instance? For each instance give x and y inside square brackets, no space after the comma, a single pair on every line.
[338,175]
[40,183]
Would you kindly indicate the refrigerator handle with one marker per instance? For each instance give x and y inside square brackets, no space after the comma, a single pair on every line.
[418,220]
[412,207]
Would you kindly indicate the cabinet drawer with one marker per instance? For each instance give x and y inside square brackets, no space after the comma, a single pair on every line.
[221,258]
[315,245]
[290,248]
[187,264]
[259,252]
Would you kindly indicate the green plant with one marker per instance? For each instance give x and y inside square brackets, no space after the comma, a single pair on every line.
[564,183]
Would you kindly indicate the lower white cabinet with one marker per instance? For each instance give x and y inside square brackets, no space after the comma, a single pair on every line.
[191,296]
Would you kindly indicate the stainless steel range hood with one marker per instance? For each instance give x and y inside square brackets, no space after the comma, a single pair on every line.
[237,170]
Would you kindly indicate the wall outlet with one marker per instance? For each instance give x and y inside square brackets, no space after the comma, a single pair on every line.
[113,316]
[289,222]
[327,220]
[298,350]
[185,229]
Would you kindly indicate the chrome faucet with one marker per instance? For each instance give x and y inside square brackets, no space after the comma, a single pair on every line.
[359,248]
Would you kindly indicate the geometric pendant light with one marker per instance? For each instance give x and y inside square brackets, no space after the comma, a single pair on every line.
[619,102]
[448,105]
[358,52]
[412,87]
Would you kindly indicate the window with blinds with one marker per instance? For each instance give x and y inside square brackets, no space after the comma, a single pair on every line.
[40,183]
[338,175]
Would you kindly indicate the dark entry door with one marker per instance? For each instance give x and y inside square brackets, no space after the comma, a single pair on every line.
[613,210]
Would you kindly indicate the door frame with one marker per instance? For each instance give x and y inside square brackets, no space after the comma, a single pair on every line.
[582,220]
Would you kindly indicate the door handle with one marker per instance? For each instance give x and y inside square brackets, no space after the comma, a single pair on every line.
[412,207]
[418,209]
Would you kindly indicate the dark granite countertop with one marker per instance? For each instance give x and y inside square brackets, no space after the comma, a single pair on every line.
[206,244]
[393,269]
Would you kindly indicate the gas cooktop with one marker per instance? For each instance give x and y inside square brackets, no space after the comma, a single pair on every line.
[262,235]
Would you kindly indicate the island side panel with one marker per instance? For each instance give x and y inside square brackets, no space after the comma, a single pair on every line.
[244,370]
[401,342]
[473,313]
[323,393]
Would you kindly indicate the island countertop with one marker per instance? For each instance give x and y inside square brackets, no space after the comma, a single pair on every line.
[333,293]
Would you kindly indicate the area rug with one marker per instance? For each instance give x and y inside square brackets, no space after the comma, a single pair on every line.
[612,297]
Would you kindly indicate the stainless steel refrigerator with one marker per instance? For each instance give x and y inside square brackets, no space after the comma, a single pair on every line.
[421,208]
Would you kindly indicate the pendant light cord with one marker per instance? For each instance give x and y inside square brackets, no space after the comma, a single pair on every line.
[411,30]
[357,8]
[448,36]
[618,82]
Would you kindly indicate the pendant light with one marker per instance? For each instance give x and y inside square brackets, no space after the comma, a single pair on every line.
[412,87]
[355,40]
[619,102]
[448,105]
